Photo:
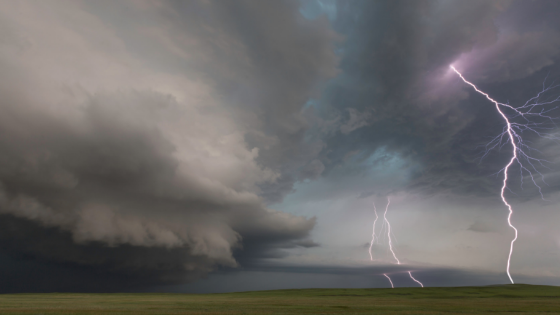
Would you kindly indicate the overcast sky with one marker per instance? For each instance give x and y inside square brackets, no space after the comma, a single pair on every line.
[214,146]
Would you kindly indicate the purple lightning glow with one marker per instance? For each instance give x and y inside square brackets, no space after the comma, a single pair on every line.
[392,286]
[389,230]
[520,150]
[373,233]
[420,283]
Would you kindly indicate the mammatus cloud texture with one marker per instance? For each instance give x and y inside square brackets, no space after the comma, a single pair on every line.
[125,131]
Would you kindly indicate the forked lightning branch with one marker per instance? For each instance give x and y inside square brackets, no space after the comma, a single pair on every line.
[532,117]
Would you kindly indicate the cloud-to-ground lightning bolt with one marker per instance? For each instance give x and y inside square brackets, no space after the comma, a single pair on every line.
[389,230]
[514,131]
[373,233]
[389,239]
[420,283]
[392,286]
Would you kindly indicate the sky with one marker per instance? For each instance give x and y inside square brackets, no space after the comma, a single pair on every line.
[214,146]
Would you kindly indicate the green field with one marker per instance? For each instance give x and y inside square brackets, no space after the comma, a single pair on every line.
[525,299]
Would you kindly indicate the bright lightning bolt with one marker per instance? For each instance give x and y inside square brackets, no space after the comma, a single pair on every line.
[389,231]
[389,238]
[392,286]
[420,283]
[373,234]
[513,131]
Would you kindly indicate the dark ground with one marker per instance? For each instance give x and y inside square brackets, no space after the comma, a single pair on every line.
[506,299]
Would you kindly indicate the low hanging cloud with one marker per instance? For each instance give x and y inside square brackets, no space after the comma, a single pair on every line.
[124,138]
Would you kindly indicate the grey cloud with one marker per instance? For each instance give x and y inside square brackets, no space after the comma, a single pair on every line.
[482,227]
[312,170]
[307,243]
[366,194]
[132,154]
[355,121]
[275,50]
[527,53]
[131,192]
[143,140]
[395,63]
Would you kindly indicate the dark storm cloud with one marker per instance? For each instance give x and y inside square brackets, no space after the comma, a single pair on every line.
[141,141]
[137,137]
[119,184]
[283,52]
[312,170]
[395,71]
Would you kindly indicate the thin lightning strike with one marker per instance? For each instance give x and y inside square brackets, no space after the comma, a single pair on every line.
[373,233]
[389,230]
[420,283]
[389,238]
[514,131]
[392,286]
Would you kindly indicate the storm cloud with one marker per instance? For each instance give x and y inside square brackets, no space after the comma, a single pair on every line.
[396,93]
[125,131]
[152,143]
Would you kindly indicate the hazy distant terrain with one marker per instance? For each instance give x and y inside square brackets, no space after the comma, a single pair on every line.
[521,299]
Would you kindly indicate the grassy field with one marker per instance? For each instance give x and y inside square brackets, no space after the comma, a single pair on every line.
[519,299]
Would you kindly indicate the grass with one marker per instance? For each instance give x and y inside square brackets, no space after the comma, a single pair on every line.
[507,299]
